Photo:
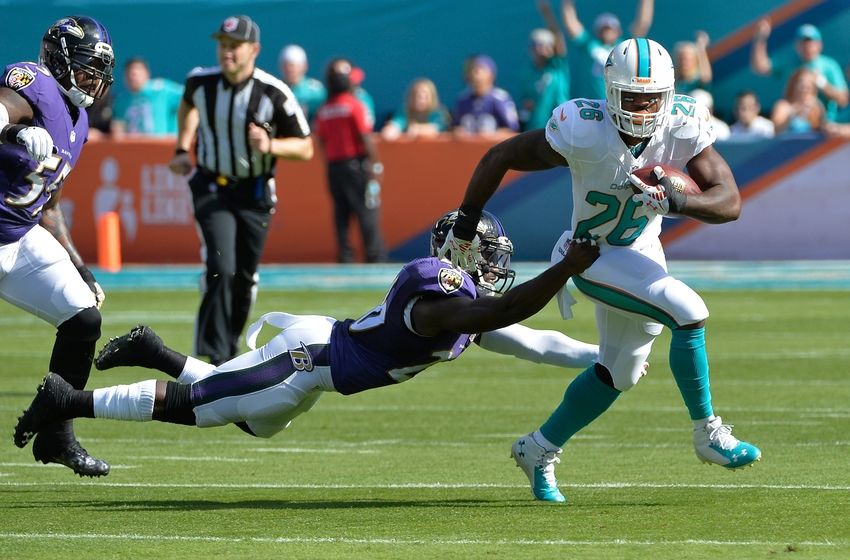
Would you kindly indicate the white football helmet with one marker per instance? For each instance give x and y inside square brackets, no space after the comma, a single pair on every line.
[638,66]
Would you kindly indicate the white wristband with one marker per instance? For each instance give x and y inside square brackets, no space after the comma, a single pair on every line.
[4,116]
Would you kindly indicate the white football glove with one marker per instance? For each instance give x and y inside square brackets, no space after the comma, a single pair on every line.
[464,254]
[37,141]
[662,198]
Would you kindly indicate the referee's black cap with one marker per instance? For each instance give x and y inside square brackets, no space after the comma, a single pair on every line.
[240,28]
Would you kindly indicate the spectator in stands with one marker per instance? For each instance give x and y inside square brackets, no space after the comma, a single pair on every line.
[830,82]
[800,110]
[721,129]
[309,92]
[606,31]
[147,106]
[422,115]
[750,125]
[837,130]
[358,75]
[482,109]
[547,84]
[353,167]
[693,68]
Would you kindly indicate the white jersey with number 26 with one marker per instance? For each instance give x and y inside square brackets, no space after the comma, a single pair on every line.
[600,162]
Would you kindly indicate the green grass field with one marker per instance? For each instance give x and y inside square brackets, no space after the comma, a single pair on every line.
[422,470]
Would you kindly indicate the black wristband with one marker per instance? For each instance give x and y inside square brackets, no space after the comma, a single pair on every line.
[180,152]
[466,225]
[9,134]
[86,274]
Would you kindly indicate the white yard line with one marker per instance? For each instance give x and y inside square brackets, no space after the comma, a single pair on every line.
[419,541]
[429,486]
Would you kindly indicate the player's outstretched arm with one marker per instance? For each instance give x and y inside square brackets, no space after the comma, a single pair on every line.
[529,151]
[464,315]
[540,346]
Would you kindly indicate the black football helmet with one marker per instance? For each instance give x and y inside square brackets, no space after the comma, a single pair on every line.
[77,50]
[494,274]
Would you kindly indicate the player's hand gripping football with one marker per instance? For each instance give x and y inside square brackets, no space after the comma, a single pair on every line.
[462,245]
[662,198]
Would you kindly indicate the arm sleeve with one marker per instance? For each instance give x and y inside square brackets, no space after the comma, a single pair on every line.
[539,346]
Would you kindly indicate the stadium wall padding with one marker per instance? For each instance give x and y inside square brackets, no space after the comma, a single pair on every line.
[796,193]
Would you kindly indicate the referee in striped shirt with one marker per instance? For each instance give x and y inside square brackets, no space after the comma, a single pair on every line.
[243,118]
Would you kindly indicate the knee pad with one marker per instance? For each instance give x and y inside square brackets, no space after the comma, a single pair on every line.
[626,380]
[85,325]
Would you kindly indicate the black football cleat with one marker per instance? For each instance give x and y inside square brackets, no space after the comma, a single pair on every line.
[139,347]
[45,408]
[71,455]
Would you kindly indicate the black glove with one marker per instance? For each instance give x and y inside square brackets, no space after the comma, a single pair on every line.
[88,278]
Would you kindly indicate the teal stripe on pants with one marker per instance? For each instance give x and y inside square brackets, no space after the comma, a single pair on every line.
[621,300]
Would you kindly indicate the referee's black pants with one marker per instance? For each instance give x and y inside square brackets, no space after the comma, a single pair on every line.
[348,181]
[234,228]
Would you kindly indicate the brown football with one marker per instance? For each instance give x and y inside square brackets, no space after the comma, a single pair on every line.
[679,178]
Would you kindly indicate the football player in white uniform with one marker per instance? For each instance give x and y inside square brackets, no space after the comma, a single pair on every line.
[641,122]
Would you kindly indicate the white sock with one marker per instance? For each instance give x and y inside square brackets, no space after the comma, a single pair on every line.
[700,424]
[193,370]
[126,402]
[542,441]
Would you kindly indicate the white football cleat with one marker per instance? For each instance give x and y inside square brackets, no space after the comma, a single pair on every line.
[714,443]
[538,463]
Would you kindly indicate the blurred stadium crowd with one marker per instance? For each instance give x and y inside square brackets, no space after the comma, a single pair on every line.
[814,98]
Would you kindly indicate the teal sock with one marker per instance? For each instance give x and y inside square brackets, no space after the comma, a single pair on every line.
[585,399]
[689,363]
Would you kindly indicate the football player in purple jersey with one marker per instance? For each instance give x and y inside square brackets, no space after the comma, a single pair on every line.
[43,126]
[430,315]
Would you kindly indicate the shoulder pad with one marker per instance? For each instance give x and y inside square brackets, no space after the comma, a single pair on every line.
[688,118]
[578,123]
[20,75]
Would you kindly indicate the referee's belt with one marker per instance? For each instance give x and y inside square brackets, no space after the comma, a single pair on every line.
[225,181]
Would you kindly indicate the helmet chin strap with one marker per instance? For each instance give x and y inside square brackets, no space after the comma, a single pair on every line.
[76,95]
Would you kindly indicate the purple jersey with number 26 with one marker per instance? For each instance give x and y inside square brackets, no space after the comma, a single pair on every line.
[381,347]
[25,184]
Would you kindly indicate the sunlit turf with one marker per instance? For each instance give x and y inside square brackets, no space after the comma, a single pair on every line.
[422,470]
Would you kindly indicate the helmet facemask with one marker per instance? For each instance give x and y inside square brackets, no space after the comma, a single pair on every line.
[494,274]
[638,66]
[80,62]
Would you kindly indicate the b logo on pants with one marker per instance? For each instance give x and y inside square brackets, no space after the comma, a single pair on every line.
[301,359]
